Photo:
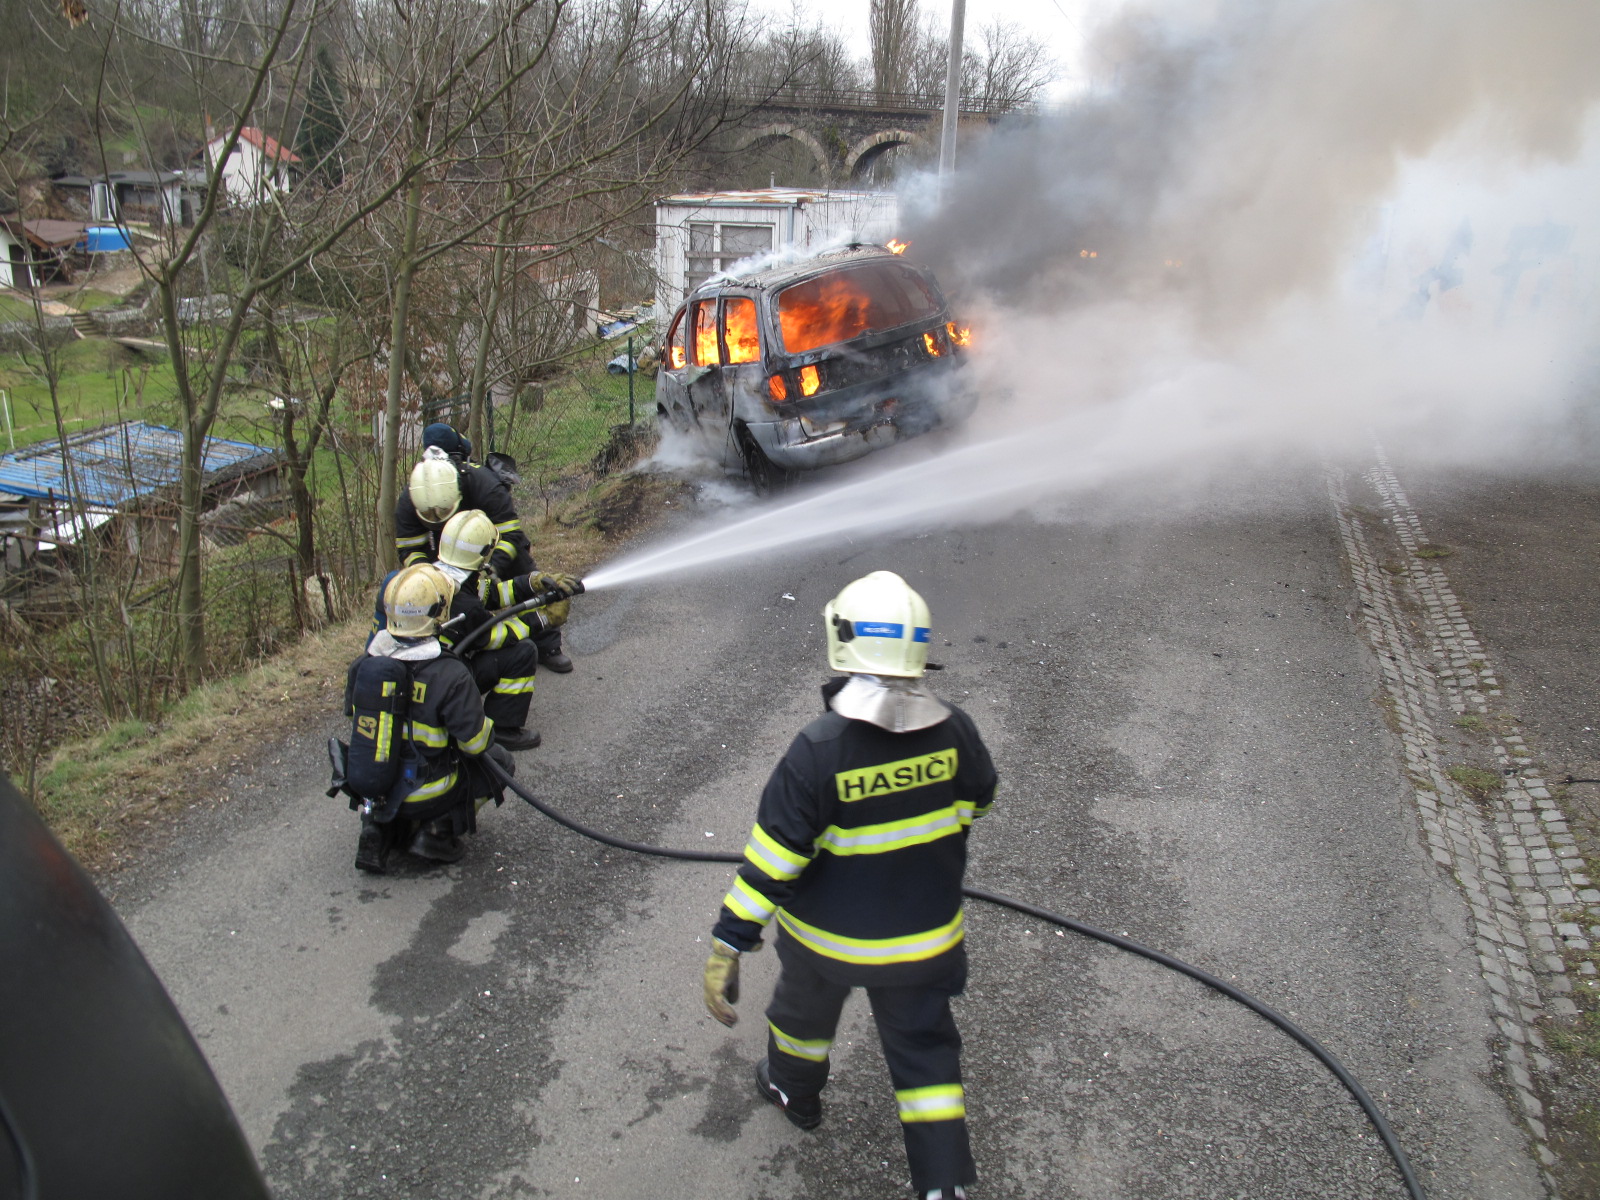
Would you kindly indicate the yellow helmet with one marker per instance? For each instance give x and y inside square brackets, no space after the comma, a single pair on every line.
[467,539]
[416,600]
[878,626]
[435,490]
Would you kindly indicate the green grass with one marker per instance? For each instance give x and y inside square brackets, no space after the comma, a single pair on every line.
[15,308]
[98,382]
[1485,785]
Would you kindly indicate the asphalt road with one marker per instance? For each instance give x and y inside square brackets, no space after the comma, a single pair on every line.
[1185,718]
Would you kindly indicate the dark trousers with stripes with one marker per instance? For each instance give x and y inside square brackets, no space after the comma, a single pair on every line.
[920,1043]
[513,661]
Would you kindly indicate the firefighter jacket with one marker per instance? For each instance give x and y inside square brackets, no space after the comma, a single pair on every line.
[417,541]
[445,720]
[860,846]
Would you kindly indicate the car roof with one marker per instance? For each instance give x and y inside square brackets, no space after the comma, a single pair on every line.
[781,275]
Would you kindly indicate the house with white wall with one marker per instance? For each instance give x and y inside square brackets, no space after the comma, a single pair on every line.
[259,163]
[699,234]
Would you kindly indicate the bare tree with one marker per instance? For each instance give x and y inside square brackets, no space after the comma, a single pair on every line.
[1007,68]
[893,28]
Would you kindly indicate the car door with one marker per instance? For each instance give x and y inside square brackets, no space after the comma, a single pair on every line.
[703,377]
[672,383]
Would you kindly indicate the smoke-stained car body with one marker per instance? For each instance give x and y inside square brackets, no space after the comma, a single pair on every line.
[810,364]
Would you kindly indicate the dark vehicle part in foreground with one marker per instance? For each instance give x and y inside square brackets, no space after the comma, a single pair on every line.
[810,364]
[103,1091]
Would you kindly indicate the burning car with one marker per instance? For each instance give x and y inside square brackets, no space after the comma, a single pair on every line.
[809,364]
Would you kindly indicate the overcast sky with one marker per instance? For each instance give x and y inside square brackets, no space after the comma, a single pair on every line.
[1059,23]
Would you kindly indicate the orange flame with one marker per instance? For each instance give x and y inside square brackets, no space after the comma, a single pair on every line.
[810,381]
[739,329]
[896,246]
[705,333]
[960,335]
[931,343]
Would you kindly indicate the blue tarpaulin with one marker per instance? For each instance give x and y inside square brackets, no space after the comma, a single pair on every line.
[102,239]
[105,468]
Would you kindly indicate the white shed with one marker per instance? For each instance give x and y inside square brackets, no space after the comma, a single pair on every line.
[701,233]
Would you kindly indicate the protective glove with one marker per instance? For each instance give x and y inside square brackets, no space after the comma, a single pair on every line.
[722,982]
[554,614]
[567,585]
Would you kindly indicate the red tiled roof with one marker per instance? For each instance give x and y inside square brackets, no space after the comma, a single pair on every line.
[268,145]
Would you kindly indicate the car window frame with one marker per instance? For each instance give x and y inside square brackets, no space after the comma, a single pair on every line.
[722,330]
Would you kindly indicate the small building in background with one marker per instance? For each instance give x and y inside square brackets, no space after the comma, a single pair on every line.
[159,198]
[121,481]
[699,234]
[34,252]
[258,164]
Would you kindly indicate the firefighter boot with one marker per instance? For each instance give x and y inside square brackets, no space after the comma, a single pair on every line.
[372,850]
[805,1112]
[438,842]
[516,737]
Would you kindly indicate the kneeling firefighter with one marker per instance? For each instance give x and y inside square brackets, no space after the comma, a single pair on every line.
[418,732]
[503,664]
[858,851]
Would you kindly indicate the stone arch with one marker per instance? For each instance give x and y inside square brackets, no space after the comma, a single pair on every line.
[771,133]
[868,149]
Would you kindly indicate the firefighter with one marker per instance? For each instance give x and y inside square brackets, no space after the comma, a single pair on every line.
[858,852]
[439,488]
[503,664]
[445,726]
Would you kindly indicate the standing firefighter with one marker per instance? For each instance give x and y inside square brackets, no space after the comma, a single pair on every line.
[858,850]
[418,731]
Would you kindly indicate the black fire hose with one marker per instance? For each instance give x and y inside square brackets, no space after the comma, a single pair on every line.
[1321,1053]
[548,596]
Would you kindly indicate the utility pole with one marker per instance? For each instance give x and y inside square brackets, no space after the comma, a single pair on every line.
[952,90]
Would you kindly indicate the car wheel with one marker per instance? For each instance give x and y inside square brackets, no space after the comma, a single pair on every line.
[764,474]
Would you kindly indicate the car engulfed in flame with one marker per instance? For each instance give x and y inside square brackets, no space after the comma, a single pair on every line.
[810,364]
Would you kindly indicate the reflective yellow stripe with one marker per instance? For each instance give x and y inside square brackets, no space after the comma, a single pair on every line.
[510,526]
[432,791]
[749,903]
[514,685]
[780,862]
[941,1102]
[517,628]
[504,547]
[506,589]
[894,835]
[429,735]
[810,1049]
[385,740]
[901,776]
[420,539]
[871,951]
[480,740]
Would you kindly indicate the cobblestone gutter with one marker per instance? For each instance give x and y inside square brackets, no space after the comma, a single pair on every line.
[1514,859]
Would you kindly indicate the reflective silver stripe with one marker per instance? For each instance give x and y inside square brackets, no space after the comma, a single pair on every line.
[514,685]
[911,948]
[429,735]
[892,835]
[771,858]
[942,1102]
[480,740]
[810,1049]
[430,791]
[749,903]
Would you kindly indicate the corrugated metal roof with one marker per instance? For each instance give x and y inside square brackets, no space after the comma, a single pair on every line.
[757,197]
[116,463]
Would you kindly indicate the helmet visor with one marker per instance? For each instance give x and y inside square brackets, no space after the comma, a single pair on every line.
[437,514]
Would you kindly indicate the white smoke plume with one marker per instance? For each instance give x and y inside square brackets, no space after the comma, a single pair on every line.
[1299,225]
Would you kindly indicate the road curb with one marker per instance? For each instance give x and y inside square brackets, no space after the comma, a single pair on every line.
[1514,858]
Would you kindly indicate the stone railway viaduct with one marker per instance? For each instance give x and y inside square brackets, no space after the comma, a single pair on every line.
[847,131]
